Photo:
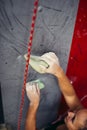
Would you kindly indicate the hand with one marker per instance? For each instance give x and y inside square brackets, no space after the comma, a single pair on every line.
[50,57]
[53,64]
[33,93]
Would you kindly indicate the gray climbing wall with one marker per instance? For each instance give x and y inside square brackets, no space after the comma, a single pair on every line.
[53,32]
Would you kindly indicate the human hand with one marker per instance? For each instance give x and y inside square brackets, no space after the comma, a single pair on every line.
[53,63]
[33,94]
[50,64]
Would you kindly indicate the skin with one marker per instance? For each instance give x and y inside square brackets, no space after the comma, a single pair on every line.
[79,117]
[33,94]
[74,119]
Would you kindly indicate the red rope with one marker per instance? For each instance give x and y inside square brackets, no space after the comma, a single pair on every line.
[27,62]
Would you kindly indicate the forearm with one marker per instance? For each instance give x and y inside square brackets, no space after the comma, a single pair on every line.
[67,90]
[31,118]
[64,83]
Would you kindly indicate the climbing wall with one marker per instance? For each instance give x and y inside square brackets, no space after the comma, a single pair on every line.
[77,66]
[53,32]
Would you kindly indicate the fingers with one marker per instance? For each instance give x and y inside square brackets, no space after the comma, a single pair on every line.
[43,69]
[37,88]
[28,86]
[33,94]
[32,87]
[46,57]
[50,58]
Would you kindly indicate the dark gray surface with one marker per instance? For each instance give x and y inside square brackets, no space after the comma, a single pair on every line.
[50,101]
[53,32]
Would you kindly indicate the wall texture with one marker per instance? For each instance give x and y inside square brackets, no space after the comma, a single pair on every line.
[53,32]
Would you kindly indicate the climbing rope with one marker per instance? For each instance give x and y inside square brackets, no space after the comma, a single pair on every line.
[27,62]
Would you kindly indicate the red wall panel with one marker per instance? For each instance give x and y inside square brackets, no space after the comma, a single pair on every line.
[77,65]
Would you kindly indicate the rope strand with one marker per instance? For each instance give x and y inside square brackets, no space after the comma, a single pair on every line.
[27,62]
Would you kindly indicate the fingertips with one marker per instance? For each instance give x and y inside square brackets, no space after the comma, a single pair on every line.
[46,58]
[29,86]
[38,89]
[32,87]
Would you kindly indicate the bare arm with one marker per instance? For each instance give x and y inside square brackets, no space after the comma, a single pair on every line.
[33,93]
[67,90]
[64,83]
[31,118]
